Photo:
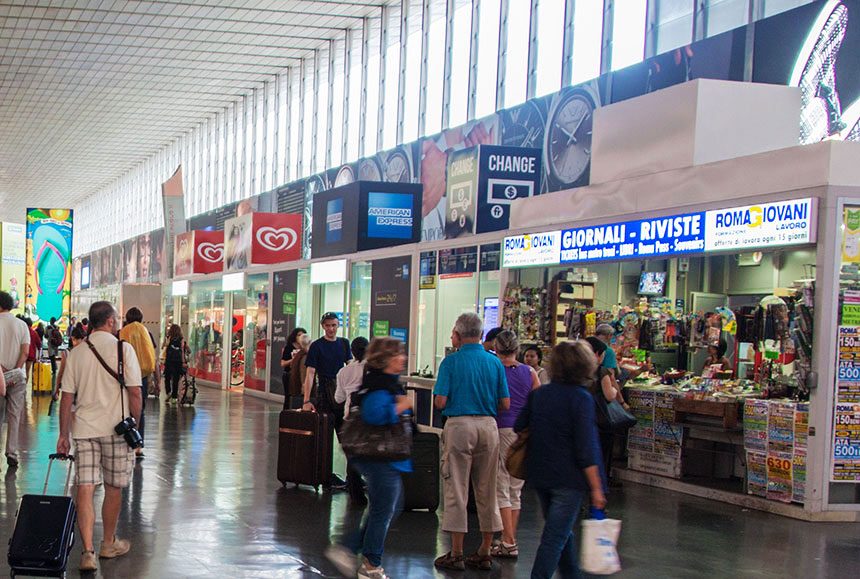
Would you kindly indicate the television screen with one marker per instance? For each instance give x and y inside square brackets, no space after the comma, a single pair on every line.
[652,283]
[491,314]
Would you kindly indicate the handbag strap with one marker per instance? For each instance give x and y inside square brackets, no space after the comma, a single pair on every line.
[118,375]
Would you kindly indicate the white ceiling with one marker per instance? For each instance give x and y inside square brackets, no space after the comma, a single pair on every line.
[88,88]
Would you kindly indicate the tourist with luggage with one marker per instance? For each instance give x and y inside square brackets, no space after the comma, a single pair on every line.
[563,462]
[470,390]
[298,372]
[175,362]
[14,353]
[325,358]
[136,334]
[102,378]
[291,351]
[380,401]
[522,379]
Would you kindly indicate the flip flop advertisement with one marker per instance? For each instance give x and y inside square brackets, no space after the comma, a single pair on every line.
[49,264]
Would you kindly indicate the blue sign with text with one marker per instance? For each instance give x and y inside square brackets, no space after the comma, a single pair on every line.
[646,238]
[389,215]
[334,221]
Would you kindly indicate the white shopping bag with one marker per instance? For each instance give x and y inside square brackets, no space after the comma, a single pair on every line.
[597,554]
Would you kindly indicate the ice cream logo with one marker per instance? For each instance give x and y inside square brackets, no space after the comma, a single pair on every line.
[276,239]
[211,252]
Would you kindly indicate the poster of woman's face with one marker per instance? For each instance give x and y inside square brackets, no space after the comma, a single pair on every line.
[156,262]
[144,257]
[129,252]
[115,264]
[106,266]
[237,237]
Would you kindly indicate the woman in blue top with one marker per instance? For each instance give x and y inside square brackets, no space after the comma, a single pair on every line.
[563,460]
[382,401]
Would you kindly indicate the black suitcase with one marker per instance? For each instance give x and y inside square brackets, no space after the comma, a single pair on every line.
[305,442]
[44,531]
[421,486]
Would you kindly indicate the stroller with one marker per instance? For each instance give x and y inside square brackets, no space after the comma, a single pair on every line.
[189,390]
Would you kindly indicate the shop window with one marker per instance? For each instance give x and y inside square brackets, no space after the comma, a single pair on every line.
[305,302]
[251,331]
[359,300]
[204,330]
[488,286]
[426,355]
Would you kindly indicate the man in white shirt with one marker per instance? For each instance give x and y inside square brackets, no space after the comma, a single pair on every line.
[14,347]
[101,403]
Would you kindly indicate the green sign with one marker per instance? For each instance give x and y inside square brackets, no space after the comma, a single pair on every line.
[289,297]
[851,315]
[289,309]
[380,328]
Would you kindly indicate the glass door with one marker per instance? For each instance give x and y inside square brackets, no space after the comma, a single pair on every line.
[332,298]
[254,331]
[359,300]
[237,340]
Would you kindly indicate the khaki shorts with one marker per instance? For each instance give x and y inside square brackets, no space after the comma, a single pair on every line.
[107,459]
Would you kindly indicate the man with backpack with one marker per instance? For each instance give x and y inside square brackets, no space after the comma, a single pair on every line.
[136,334]
[55,341]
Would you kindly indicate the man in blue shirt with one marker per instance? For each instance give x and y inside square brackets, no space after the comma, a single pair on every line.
[470,388]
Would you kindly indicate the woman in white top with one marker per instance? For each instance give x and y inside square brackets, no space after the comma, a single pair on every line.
[350,376]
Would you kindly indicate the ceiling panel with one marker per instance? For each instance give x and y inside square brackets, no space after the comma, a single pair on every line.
[90,88]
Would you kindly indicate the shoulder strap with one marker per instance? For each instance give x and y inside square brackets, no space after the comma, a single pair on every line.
[118,375]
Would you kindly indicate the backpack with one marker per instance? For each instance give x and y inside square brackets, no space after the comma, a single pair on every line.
[174,352]
[55,338]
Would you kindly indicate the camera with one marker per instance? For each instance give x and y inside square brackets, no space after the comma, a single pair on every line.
[128,429]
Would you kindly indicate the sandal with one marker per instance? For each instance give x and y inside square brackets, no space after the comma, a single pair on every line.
[478,561]
[451,562]
[505,551]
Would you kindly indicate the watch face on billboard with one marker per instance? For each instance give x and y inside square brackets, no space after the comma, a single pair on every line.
[389,215]
[334,221]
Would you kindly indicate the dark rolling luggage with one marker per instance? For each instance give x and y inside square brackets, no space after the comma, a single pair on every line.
[305,448]
[44,531]
[421,486]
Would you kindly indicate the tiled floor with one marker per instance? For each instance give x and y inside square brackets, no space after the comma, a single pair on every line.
[206,503]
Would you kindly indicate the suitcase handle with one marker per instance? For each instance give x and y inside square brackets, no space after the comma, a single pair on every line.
[51,459]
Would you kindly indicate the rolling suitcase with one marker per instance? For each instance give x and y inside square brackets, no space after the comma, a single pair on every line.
[421,486]
[42,378]
[44,531]
[305,442]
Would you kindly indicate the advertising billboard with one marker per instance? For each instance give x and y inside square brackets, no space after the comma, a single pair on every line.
[13,254]
[49,263]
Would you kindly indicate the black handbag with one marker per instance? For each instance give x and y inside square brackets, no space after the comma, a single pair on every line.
[368,441]
[620,420]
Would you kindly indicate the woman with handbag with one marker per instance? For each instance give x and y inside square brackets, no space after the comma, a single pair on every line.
[604,393]
[381,402]
[522,379]
[563,462]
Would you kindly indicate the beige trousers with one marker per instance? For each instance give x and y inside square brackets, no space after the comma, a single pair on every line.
[508,488]
[470,451]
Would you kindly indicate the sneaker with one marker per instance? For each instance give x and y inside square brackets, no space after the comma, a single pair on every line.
[505,551]
[88,561]
[119,548]
[365,573]
[478,561]
[342,558]
[11,461]
[451,562]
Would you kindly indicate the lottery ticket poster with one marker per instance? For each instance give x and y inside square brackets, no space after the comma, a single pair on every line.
[775,439]
[846,419]
[654,444]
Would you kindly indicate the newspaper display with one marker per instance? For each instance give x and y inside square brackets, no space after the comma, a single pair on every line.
[654,444]
[846,419]
[775,439]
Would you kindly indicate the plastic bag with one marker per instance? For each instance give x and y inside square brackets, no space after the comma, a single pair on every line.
[598,555]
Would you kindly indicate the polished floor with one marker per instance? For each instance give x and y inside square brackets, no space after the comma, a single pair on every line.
[205,503]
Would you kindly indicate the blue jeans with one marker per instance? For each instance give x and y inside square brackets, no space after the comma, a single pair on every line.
[557,549]
[385,499]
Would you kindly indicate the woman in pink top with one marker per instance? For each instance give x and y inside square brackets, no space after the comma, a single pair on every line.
[522,379]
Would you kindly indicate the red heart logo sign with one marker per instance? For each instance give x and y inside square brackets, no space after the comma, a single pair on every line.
[211,252]
[276,239]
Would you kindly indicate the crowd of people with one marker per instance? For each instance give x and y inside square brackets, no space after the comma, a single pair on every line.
[490,391]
